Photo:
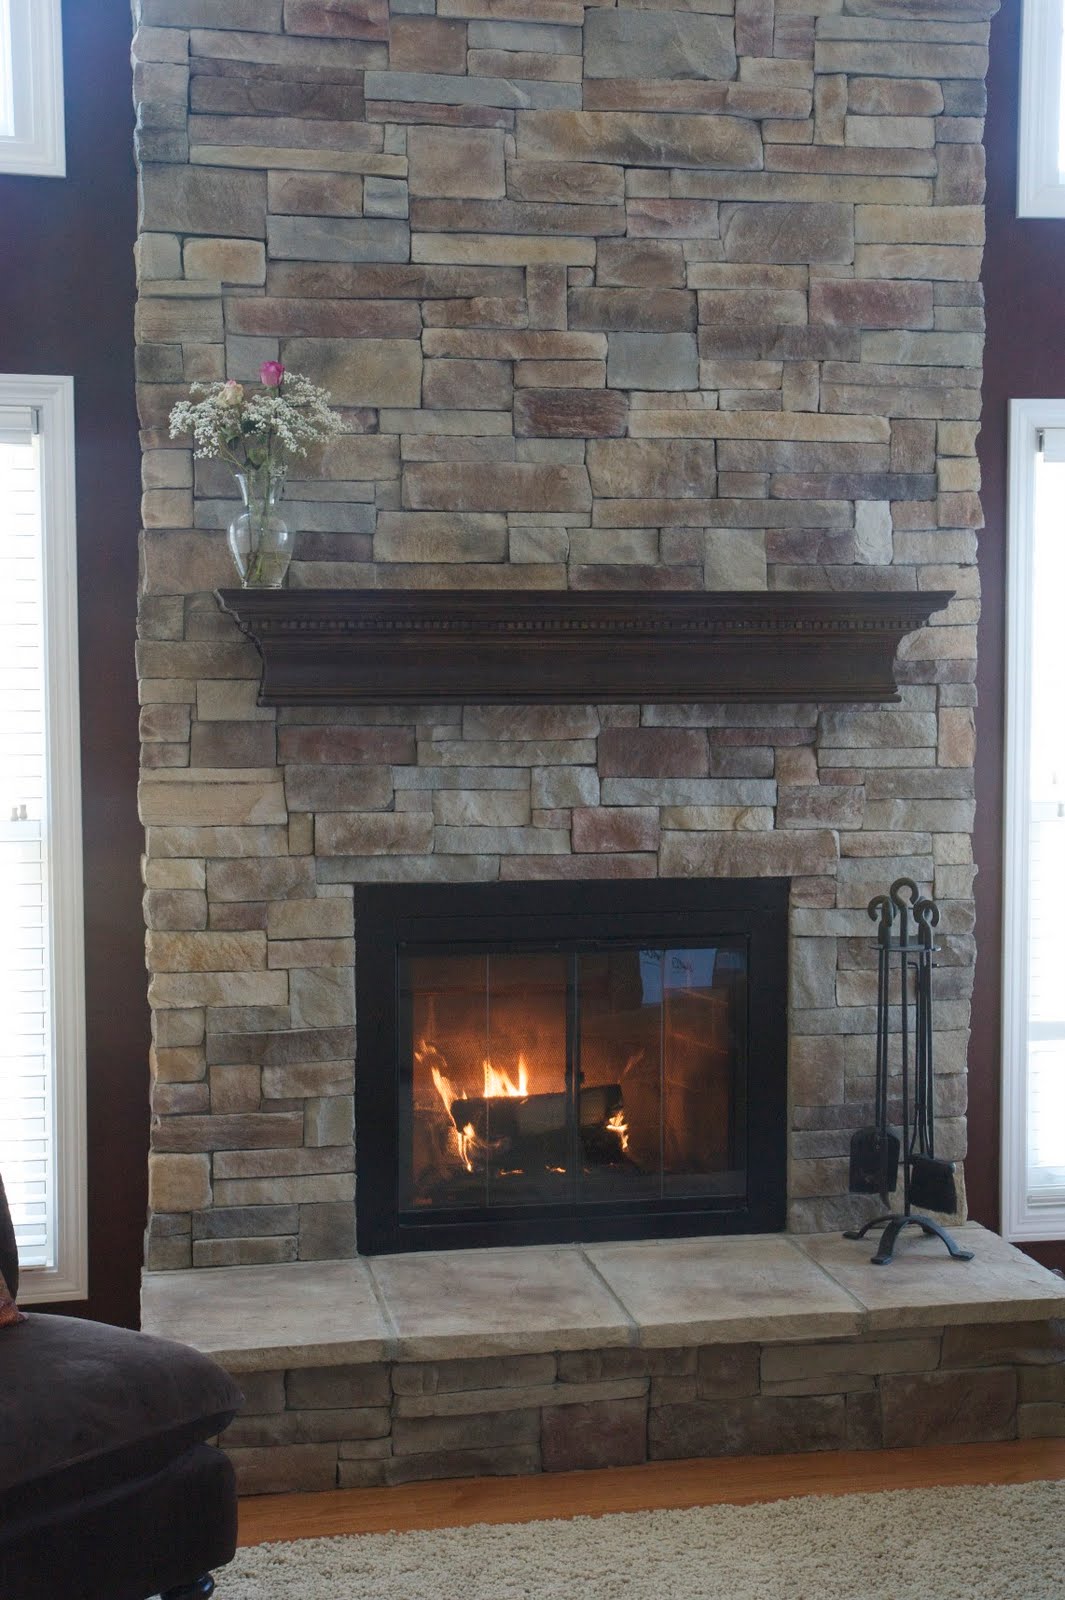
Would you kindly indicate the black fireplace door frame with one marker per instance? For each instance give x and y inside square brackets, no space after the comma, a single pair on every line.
[393,918]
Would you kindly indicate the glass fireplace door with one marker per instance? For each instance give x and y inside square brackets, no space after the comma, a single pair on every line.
[542,1078]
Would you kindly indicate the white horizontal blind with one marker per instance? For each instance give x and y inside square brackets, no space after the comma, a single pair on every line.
[27,1082]
[7,78]
[1041,141]
[1046,831]
[32,139]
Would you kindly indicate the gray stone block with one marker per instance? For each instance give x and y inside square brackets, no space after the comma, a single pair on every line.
[217,201]
[652,361]
[657,44]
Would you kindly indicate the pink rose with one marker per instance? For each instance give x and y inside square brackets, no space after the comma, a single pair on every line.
[271,373]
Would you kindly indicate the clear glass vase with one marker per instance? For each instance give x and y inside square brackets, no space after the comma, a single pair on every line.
[259,539]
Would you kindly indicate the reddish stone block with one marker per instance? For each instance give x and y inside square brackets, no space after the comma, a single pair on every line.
[653,753]
[867,303]
[427,44]
[612,1433]
[571,413]
[949,1407]
[604,828]
[338,19]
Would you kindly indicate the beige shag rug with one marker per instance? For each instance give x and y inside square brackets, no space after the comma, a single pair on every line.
[998,1543]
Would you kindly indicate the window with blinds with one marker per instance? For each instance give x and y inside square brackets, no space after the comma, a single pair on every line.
[1034,843]
[1046,831]
[31,88]
[41,953]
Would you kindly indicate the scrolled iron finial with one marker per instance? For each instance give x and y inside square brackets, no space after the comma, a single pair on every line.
[896,894]
[881,908]
[926,915]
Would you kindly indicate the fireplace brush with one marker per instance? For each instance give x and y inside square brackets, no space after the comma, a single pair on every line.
[878,1152]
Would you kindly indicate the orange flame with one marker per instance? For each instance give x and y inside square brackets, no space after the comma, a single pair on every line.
[497,1084]
[618,1125]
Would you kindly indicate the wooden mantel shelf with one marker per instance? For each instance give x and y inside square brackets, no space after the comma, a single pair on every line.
[324,647]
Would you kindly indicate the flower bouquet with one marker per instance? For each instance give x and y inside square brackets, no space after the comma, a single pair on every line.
[258,432]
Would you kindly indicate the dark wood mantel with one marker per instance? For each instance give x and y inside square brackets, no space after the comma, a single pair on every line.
[393,647]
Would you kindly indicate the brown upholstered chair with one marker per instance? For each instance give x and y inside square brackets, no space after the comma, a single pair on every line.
[108,1487]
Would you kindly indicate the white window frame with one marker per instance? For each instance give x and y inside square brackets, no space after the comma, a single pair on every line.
[37,147]
[1040,183]
[53,399]
[1021,1220]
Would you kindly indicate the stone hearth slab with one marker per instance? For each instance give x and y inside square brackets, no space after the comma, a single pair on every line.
[498,1302]
[656,1294]
[302,1314]
[923,1287]
[724,1291]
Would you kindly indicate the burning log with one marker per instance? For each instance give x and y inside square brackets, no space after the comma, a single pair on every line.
[535,1116]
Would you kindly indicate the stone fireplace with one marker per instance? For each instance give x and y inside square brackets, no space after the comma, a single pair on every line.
[579,1061]
[612,298]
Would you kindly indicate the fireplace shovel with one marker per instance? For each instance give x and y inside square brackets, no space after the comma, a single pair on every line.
[874,1167]
[932,1182]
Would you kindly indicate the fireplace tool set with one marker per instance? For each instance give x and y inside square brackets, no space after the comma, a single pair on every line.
[878,1153]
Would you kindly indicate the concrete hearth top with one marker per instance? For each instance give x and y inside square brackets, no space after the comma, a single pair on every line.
[660,1294]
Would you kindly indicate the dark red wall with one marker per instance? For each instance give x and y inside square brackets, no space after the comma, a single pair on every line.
[1024,271]
[66,306]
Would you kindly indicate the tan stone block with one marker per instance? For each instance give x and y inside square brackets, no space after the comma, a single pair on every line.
[314,194]
[749,854]
[500,250]
[180,990]
[900,58]
[179,1182]
[637,139]
[890,133]
[569,182]
[950,225]
[177,1063]
[327,917]
[506,344]
[205,952]
[498,487]
[679,219]
[957,737]
[456,162]
[559,374]
[640,467]
[482,385]
[198,804]
[369,372]
[342,834]
[948,263]
[439,536]
[309,953]
[895,97]
[226,260]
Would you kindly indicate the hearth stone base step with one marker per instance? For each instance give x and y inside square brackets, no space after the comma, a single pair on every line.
[465,1364]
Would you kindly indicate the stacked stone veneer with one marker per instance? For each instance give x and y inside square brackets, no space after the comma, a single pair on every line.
[390,1423]
[680,294]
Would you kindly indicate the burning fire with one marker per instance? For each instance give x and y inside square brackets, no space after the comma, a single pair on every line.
[497,1085]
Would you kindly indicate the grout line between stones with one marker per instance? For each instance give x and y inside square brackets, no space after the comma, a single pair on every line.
[864,1315]
[392,1340]
[634,1326]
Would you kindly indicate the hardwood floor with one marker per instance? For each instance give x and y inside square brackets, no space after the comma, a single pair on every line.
[658,1485]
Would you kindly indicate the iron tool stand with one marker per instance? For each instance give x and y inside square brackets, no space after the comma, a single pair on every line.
[914,948]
